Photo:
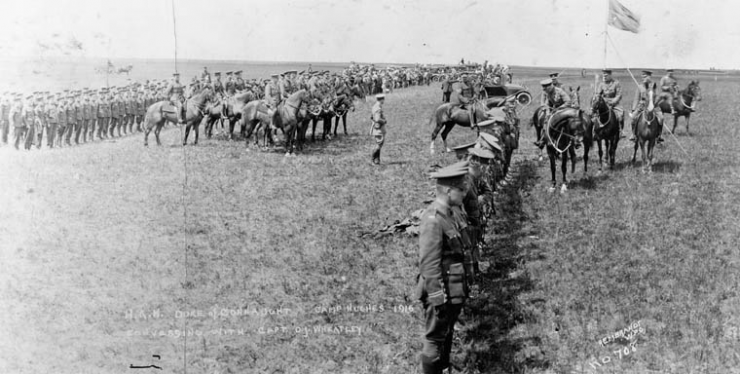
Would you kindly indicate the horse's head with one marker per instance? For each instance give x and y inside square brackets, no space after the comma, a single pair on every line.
[597,102]
[694,90]
[576,96]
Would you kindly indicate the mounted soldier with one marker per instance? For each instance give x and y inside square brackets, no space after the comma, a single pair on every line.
[611,89]
[553,98]
[644,101]
[272,92]
[464,98]
[239,85]
[230,85]
[176,93]
[668,88]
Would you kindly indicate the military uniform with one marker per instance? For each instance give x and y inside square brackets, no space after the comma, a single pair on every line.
[239,85]
[668,87]
[29,118]
[103,116]
[641,102]
[612,92]
[446,90]
[378,127]
[5,119]
[176,92]
[272,93]
[441,285]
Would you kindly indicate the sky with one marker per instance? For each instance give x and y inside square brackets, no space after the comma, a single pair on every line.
[564,33]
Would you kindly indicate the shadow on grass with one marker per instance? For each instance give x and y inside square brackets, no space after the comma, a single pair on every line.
[666,167]
[492,344]
[589,182]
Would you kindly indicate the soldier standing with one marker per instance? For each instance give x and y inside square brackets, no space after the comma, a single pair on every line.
[103,115]
[5,118]
[446,89]
[87,115]
[441,285]
[29,119]
[41,121]
[378,128]
[52,117]
[114,113]
[61,120]
[17,120]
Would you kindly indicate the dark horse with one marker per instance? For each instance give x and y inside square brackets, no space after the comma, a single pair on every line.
[341,107]
[443,116]
[683,103]
[606,127]
[288,118]
[160,112]
[561,130]
[228,109]
[647,131]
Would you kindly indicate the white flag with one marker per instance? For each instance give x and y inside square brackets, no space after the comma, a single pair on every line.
[623,18]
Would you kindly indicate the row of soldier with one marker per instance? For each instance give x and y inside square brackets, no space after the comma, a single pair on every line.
[451,235]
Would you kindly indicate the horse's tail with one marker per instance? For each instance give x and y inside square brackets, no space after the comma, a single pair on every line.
[535,118]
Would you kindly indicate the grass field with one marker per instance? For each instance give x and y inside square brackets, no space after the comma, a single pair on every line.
[221,259]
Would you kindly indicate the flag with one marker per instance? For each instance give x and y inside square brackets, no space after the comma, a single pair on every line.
[622,18]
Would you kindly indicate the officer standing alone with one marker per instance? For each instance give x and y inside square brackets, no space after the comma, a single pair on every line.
[378,128]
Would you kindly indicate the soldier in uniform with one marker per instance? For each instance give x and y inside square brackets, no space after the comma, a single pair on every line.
[140,109]
[553,98]
[205,75]
[218,86]
[230,85]
[378,126]
[641,103]
[5,118]
[17,120]
[61,120]
[87,116]
[464,99]
[554,77]
[239,85]
[41,121]
[52,118]
[29,118]
[668,88]
[80,116]
[115,110]
[441,285]
[130,110]
[446,89]
[272,92]
[612,92]
[176,92]
[103,115]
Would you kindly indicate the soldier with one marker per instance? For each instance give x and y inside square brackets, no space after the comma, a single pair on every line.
[218,86]
[378,127]
[130,110]
[446,89]
[205,75]
[114,113]
[553,98]
[87,116]
[464,99]
[103,115]
[41,121]
[612,92]
[176,92]
[79,116]
[272,92]
[18,122]
[239,85]
[554,77]
[140,109]
[29,119]
[642,103]
[5,117]
[441,285]
[61,120]
[121,121]
[668,88]
[230,85]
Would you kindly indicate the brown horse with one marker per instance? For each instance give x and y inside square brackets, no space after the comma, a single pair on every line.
[684,104]
[256,116]
[288,117]
[160,112]
[606,128]
[561,130]
[445,116]
[647,130]
[341,107]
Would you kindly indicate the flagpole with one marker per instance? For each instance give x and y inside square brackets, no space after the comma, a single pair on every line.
[606,28]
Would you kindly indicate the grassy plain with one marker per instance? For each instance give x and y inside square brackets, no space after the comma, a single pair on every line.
[111,252]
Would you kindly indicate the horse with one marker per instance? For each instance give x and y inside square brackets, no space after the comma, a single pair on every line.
[560,131]
[160,112]
[288,117]
[683,103]
[647,131]
[321,112]
[340,108]
[447,117]
[538,117]
[606,128]
[256,116]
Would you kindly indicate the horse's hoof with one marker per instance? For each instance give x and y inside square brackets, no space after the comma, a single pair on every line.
[541,159]
[287,154]
[551,189]
[449,150]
